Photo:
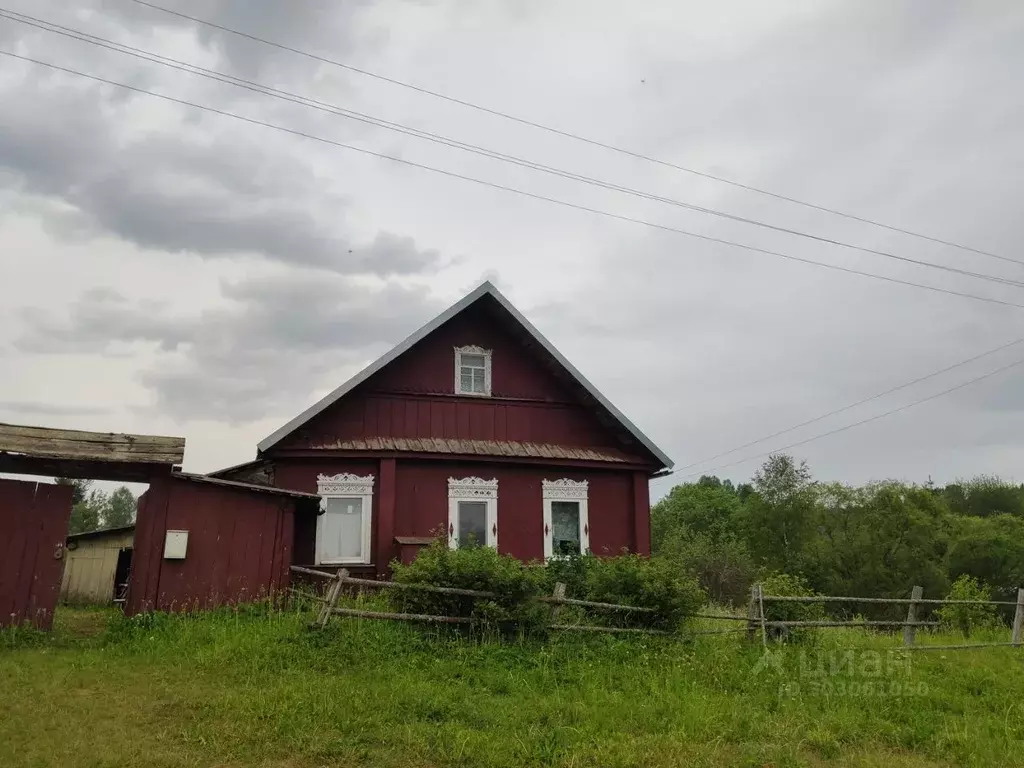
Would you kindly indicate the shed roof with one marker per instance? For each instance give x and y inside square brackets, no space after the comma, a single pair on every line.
[100,532]
[484,290]
[244,486]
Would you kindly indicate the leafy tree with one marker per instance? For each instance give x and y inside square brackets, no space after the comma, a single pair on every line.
[878,540]
[780,514]
[701,508]
[990,550]
[80,488]
[120,509]
[88,515]
[984,496]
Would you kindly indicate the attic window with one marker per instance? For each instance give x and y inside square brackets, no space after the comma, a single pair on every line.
[473,371]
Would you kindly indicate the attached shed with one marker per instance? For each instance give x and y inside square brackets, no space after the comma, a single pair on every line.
[96,564]
[201,542]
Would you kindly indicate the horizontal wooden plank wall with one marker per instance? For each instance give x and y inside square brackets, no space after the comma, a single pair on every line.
[103,446]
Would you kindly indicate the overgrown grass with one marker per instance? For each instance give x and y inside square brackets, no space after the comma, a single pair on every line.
[256,687]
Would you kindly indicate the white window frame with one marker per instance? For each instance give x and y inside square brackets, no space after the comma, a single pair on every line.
[472,489]
[345,486]
[565,490]
[486,353]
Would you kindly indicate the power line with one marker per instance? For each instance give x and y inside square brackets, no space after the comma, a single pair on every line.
[863,421]
[837,411]
[514,190]
[463,146]
[575,136]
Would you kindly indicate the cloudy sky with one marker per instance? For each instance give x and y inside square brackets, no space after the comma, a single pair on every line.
[169,270]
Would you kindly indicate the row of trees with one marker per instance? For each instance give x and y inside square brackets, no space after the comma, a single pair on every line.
[875,540]
[93,509]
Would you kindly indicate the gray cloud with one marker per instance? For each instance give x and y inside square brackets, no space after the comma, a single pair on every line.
[50,409]
[907,112]
[279,340]
[182,191]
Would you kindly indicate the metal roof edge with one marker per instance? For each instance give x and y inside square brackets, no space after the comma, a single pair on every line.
[243,486]
[484,288]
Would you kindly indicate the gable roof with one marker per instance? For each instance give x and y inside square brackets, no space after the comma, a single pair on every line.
[486,289]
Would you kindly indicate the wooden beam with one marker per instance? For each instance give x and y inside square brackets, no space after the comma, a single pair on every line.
[68,444]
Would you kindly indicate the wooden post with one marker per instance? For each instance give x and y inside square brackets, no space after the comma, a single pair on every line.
[764,618]
[752,611]
[1018,619]
[910,628]
[331,597]
[556,608]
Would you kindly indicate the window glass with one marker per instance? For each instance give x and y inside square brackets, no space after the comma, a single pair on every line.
[472,524]
[472,361]
[342,532]
[565,527]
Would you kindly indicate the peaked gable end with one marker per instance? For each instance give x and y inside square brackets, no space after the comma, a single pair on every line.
[535,401]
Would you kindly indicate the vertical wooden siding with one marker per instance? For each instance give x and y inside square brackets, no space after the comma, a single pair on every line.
[90,567]
[33,526]
[239,547]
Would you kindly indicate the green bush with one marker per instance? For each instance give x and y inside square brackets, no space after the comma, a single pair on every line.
[572,571]
[787,585]
[722,566]
[967,618]
[476,568]
[654,582]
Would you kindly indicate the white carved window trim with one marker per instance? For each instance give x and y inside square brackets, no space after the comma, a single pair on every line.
[565,490]
[472,489]
[471,350]
[345,486]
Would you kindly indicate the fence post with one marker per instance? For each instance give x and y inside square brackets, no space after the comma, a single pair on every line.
[558,594]
[1018,619]
[331,597]
[753,610]
[909,628]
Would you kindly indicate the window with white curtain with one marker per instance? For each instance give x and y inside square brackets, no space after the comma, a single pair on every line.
[343,529]
[566,519]
[472,512]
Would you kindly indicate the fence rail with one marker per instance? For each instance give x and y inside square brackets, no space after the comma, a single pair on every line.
[338,580]
[757,617]
[756,620]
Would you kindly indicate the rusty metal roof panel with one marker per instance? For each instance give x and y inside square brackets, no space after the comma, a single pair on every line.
[474,448]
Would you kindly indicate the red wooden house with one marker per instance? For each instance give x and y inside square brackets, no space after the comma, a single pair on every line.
[474,427]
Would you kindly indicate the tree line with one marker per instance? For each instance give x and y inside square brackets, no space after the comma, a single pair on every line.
[873,540]
[93,509]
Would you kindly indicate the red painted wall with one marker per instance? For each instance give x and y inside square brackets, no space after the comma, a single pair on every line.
[415,397]
[421,504]
[239,546]
[33,528]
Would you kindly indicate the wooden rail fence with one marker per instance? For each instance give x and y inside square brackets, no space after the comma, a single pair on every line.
[329,603]
[757,619]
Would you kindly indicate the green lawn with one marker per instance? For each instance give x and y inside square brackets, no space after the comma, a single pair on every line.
[260,689]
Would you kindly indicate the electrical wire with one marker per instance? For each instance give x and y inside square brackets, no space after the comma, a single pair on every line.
[845,408]
[862,421]
[514,190]
[463,146]
[577,137]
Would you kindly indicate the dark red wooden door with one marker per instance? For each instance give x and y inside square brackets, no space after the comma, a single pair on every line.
[33,528]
